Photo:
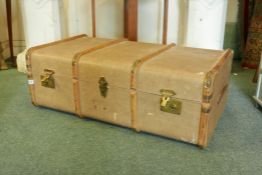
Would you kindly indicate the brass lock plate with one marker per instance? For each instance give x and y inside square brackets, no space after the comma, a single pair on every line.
[103,86]
[47,79]
[170,104]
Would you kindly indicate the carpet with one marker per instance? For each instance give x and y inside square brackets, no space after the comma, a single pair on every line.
[40,141]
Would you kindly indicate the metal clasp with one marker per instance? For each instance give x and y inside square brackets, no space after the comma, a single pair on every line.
[47,79]
[208,81]
[168,103]
[103,86]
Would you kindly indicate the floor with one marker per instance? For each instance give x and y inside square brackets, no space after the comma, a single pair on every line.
[41,141]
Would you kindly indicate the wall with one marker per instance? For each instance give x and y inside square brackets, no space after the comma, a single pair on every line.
[78,15]
[42,21]
[233,28]
[18,33]
[110,19]
[62,18]
[206,23]
[150,21]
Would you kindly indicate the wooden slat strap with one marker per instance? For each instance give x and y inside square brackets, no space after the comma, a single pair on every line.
[133,82]
[75,72]
[29,62]
[208,94]
[93,9]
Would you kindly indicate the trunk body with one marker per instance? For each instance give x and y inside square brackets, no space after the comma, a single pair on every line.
[175,92]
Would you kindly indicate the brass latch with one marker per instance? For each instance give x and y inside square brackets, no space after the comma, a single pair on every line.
[103,86]
[208,81]
[168,103]
[47,79]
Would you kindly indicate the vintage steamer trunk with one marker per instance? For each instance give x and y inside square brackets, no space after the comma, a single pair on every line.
[172,91]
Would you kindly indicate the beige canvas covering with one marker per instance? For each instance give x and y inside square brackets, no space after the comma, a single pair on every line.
[122,82]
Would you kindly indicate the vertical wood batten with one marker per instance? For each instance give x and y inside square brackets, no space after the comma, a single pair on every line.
[165,21]
[10,30]
[93,4]
[130,19]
